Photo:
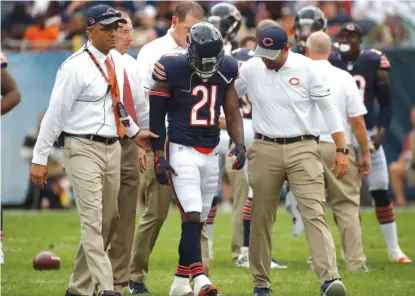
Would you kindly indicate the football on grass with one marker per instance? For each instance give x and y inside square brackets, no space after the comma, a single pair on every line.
[46,261]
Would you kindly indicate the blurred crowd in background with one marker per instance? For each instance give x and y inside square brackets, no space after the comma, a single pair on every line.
[46,25]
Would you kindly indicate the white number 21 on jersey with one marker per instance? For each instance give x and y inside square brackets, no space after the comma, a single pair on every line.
[208,97]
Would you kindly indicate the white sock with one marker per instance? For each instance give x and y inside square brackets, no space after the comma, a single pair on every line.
[210,232]
[390,234]
[200,281]
[291,205]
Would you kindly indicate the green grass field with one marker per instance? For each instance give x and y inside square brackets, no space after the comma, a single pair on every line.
[26,234]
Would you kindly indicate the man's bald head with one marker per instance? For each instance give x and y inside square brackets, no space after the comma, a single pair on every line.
[265,24]
[318,46]
[125,16]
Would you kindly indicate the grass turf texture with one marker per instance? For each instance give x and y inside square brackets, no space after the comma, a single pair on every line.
[26,234]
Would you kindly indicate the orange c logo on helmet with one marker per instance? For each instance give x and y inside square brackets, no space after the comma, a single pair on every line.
[350,27]
[267,42]
[110,10]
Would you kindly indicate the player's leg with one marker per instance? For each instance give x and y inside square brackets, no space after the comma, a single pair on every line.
[157,201]
[187,193]
[378,182]
[397,177]
[292,208]
[222,150]
[209,174]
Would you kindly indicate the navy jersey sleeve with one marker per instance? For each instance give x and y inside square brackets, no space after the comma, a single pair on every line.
[379,59]
[230,69]
[160,70]
[3,60]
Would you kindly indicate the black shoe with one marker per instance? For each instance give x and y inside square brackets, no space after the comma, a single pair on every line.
[261,292]
[67,293]
[110,293]
[333,288]
[137,288]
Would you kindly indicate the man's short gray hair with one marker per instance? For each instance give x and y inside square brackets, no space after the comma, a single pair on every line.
[319,43]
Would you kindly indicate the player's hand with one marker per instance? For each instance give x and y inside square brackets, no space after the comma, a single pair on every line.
[39,175]
[341,164]
[142,159]
[142,139]
[378,138]
[239,152]
[365,165]
[162,168]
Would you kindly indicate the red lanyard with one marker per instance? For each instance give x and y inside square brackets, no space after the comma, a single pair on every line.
[99,66]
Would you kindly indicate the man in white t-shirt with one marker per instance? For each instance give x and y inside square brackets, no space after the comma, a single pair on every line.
[344,194]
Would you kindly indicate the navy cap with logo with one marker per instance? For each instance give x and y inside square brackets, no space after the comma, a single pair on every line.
[352,28]
[271,41]
[104,15]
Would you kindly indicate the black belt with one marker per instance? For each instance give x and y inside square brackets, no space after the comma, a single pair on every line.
[96,138]
[286,140]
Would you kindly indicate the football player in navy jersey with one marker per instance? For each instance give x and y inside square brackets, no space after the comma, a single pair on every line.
[227,19]
[10,98]
[369,67]
[191,89]
[308,20]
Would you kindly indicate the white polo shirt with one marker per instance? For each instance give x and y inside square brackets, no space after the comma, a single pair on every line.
[151,52]
[285,102]
[345,96]
[81,102]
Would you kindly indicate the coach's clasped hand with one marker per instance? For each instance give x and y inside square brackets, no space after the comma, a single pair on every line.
[239,152]
[162,168]
[142,139]
[39,175]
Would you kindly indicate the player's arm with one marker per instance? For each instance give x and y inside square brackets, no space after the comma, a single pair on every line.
[9,91]
[158,95]
[234,126]
[355,111]
[233,117]
[383,94]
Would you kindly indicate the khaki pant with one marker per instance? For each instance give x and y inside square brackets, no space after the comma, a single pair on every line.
[240,194]
[94,171]
[158,201]
[345,200]
[122,241]
[269,165]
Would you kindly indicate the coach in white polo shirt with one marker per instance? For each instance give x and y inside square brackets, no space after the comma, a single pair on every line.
[159,197]
[286,89]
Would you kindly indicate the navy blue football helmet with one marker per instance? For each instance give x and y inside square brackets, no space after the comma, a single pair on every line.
[205,49]
[227,18]
[308,20]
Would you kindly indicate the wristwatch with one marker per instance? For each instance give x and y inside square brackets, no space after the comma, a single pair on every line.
[343,150]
